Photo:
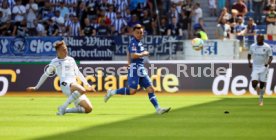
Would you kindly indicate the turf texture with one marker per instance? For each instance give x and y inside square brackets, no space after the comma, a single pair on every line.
[133,117]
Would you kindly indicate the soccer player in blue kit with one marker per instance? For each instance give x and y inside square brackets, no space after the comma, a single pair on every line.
[136,72]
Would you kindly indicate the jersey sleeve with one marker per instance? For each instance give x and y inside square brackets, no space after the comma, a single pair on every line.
[132,48]
[49,71]
[269,52]
[80,75]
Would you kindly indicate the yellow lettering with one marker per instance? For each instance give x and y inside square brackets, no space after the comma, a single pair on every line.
[122,80]
[9,72]
[170,82]
[110,82]
[157,79]
[56,84]
[100,80]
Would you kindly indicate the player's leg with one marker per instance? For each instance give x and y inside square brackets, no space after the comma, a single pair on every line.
[82,105]
[261,93]
[132,81]
[76,91]
[146,83]
[263,79]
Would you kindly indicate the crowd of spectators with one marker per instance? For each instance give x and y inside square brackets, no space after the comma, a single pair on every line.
[116,17]
[241,18]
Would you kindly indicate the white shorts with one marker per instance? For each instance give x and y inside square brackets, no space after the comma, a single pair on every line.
[67,91]
[259,74]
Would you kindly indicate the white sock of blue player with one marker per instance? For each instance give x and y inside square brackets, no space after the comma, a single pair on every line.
[75,95]
[153,100]
[122,91]
[77,109]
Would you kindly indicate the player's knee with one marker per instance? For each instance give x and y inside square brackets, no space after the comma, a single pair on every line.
[88,110]
[132,92]
[254,84]
[262,85]
[82,91]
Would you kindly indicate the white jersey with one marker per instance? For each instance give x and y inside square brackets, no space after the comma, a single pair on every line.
[260,54]
[66,69]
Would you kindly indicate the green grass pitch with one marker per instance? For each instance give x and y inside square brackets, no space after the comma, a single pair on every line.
[133,117]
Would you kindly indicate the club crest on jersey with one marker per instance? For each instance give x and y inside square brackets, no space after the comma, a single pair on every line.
[133,48]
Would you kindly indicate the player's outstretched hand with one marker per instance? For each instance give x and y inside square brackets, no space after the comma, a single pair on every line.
[146,53]
[30,89]
[250,65]
[91,89]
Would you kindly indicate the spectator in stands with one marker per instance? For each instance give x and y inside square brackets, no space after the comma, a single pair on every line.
[103,5]
[31,9]
[173,13]
[40,29]
[239,31]
[91,9]
[178,4]
[240,7]
[250,32]
[88,29]
[224,15]
[51,27]
[221,5]
[10,3]
[199,25]
[19,11]
[104,18]
[111,13]
[64,11]
[163,26]
[212,7]
[233,20]
[134,21]
[103,28]
[270,3]
[71,4]
[174,28]
[6,11]
[201,34]
[184,21]
[20,29]
[196,13]
[75,28]
[223,30]
[46,12]
[271,20]
[258,6]
[147,22]
[119,24]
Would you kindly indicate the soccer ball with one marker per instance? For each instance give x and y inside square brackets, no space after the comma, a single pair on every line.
[197,44]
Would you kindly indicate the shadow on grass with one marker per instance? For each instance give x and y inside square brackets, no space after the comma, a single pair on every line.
[246,120]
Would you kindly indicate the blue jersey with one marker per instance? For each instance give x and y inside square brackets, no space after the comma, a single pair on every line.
[136,46]
[137,74]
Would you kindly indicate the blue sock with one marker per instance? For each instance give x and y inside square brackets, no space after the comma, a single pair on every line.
[153,100]
[122,91]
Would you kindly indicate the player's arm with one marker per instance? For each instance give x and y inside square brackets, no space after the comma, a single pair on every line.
[82,78]
[128,59]
[42,79]
[139,55]
[249,59]
[270,58]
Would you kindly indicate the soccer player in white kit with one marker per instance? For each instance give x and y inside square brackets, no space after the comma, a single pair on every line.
[66,68]
[262,58]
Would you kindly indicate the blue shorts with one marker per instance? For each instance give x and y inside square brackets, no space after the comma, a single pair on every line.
[140,77]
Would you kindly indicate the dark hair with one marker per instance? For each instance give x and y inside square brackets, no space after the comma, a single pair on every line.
[137,26]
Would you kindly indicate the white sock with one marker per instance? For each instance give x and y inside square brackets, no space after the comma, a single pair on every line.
[78,109]
[75,95]
[113,92]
